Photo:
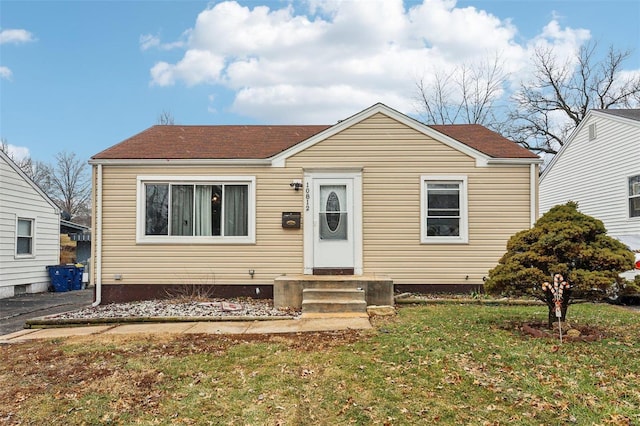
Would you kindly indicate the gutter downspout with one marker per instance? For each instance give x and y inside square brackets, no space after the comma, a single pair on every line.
[98,236]
[533,184]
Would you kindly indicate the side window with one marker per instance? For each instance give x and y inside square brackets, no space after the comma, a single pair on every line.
[24,237]
[634,196]
[444,209]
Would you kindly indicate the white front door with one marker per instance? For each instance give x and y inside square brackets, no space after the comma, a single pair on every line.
[333,210]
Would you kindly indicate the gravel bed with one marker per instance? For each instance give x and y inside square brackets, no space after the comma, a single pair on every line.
[172,308]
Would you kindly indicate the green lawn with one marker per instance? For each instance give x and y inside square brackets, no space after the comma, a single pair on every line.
[447,364]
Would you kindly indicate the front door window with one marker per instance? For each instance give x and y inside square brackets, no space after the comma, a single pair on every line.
[333,214]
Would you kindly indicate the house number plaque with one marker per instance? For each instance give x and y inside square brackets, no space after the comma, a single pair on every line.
[307,197]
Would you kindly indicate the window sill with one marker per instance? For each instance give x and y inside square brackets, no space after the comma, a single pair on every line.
[24,256]
[444,240]
[191,241]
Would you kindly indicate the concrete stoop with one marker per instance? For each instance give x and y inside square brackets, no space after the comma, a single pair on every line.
[332,295]
[331,300]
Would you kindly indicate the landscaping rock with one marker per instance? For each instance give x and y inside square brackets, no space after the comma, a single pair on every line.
[212,308]
[382,311]
[574,332]
[565,326]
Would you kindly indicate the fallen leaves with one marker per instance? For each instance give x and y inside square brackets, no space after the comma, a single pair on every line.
[449,365]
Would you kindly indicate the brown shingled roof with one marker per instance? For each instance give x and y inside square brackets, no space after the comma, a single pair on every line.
[209,142]
[261,142]
[484,140]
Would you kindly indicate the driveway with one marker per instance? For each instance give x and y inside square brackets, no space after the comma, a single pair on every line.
[14,311]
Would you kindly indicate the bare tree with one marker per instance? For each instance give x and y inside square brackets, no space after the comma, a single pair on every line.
[547,108]
[435,99]
[40,173]
[468,94]
[70,184]
[165,118]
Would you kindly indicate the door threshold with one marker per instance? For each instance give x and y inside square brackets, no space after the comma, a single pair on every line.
[333,271]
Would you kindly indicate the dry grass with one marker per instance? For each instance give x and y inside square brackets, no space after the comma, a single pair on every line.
[432,364]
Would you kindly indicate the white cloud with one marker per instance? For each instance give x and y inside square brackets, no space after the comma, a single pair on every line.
[341,56]
[565,41]
[5,73]
[459,31]
[308,104]
[197,66]
[15,36]
[17,153]
[149,41]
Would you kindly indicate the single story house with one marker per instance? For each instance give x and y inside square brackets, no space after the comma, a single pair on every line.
[599,168]
[29,232]
[235,208]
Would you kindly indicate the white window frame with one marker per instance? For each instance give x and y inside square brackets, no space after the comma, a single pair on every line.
[592,131]
[142,238]
[629,197]
[32,254]
[463,238]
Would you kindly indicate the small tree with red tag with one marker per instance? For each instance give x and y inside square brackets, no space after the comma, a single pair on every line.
[568,241]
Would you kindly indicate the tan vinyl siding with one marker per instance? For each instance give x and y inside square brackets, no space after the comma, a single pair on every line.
[275,252]
[392,157]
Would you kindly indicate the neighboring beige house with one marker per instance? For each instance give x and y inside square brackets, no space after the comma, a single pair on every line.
[29,232]
[377,194]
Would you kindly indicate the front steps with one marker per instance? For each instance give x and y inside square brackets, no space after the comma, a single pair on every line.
[331,300]
[332,295]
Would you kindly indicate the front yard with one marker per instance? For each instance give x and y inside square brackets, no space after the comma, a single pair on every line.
[447,364]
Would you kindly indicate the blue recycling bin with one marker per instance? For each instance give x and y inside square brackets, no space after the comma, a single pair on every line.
[76,284]
[62,277]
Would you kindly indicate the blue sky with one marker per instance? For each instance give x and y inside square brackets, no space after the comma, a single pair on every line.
[80,76]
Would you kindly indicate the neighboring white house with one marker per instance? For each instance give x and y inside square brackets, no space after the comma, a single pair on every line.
[599,168]
[29,232]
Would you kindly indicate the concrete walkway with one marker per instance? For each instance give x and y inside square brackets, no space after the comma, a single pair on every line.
[300,325]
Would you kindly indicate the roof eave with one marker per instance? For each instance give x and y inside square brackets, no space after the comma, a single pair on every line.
[182,162]
[611,113]
[74,225]
[515,161]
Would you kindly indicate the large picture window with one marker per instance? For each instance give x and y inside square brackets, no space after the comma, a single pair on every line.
[24,237]
[201,211]
[634,196]
[444,209]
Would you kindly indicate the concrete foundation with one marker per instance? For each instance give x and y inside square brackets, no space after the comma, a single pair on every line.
[16,290]
[6,292]
[287,289]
